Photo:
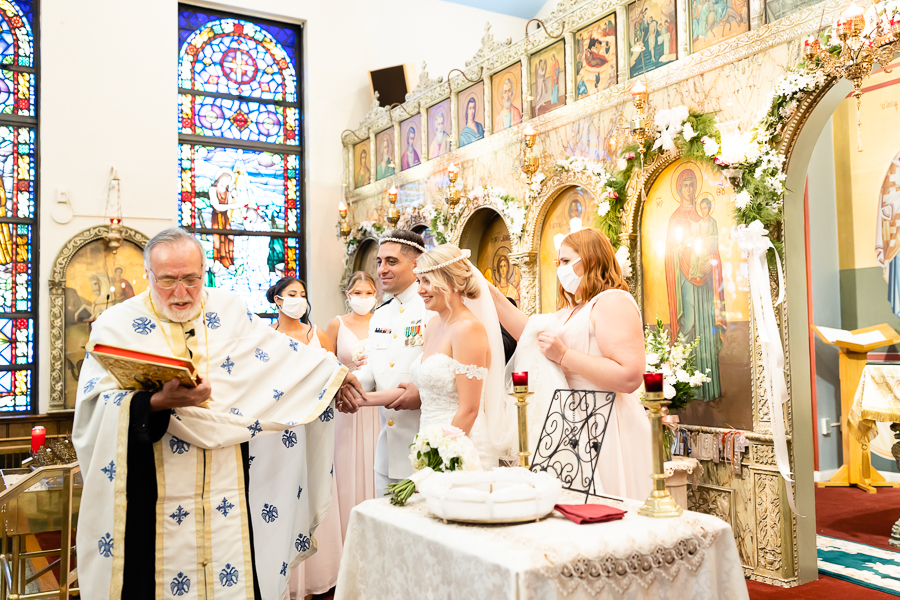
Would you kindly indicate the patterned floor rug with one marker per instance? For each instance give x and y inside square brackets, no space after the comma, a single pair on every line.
[860,564]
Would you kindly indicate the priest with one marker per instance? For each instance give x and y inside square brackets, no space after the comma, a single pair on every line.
[206,492]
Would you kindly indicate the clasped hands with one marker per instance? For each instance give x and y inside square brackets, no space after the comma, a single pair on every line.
[351,397]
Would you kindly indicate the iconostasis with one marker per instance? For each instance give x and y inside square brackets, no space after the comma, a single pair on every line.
[539,133]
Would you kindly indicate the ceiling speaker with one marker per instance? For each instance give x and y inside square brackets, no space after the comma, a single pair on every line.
[391,83]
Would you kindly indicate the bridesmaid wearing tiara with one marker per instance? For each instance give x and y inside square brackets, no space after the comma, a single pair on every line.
[355,434]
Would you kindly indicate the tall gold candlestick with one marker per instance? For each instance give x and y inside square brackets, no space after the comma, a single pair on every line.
[660,504]
[521,394]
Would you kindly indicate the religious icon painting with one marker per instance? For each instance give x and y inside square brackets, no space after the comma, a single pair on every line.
[96,279]
[596,64]
[713,21]
[410,142]
[493,259]
[652,37]
[506,97]
[362,172]
[470,103]
[695,280]
[439,140]
[548,79]
[384,150]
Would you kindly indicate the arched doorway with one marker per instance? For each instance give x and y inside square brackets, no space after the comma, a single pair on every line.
[486,236]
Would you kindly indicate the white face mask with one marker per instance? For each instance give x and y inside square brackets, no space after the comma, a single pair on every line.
[293,306]
[361,306]
[567,277]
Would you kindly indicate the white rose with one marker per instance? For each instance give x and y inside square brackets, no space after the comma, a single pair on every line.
[682,376]
[742,199]
[652,359]
[621,164]
[603,208]
[710,146]
[688,132]
[668,391]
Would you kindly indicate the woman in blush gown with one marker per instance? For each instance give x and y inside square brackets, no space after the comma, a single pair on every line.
[597,340]
[355,434]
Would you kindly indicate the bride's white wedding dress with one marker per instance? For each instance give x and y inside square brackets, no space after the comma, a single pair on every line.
[435,378]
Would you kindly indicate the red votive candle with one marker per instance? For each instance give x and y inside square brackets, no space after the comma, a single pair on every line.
[653,382]
[520,381]
[38,436]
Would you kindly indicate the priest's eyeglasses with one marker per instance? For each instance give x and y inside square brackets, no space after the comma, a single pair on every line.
[167,283]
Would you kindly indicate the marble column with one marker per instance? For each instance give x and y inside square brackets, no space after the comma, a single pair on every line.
[528,288]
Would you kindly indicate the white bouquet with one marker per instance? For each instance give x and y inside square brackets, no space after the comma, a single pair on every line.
[435,448]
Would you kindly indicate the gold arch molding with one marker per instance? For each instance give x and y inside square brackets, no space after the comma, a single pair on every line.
[552,188]
[57,285]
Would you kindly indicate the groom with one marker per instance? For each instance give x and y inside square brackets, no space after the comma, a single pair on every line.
[396,331]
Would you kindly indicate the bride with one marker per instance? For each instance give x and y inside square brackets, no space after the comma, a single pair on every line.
[460,373]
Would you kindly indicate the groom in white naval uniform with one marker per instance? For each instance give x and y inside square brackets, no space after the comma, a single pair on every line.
[396,332]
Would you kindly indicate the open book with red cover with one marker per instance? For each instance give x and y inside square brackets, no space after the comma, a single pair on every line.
[141,370]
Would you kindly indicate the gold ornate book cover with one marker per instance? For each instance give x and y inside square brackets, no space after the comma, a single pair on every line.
[142,371]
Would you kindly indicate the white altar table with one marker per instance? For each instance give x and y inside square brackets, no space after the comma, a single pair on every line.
[400,553]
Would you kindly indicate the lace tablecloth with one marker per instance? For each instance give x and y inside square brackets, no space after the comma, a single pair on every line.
[877,399]
[405,553]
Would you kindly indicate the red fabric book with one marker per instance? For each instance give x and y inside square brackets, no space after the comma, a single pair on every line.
[590,513]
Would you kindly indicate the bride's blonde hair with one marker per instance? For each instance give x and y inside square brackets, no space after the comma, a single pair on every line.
[457,276]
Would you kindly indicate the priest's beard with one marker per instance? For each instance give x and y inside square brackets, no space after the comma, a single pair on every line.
[173,314]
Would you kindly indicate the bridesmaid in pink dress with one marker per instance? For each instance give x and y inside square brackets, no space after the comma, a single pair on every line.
[599,344]
[355,434]
[318,573]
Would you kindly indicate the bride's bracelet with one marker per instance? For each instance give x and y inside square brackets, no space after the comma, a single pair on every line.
[563,356]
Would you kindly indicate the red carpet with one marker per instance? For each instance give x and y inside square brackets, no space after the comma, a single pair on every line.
[848,514]
[852,514]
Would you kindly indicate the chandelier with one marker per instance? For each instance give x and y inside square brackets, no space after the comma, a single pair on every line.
[859,53]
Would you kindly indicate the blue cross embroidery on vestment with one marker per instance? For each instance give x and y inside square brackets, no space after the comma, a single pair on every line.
[213,321]
[283,568]
[225,507]
[89,386]
[179,515]
[269,513]
[180,585]
[229,576]
[322,393]
[261,355]
[175,414]
[105,546]
[254,429]
[250,460]
[178,446]
[302,543]
[277,394]
[228,365]
[327,415]
[289,439]
[143,325]
[299,492]
[110,470]
[236,411]
[294,345]
[119,397]
[250,315]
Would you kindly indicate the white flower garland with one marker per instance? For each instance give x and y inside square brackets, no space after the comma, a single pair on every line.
[577,164]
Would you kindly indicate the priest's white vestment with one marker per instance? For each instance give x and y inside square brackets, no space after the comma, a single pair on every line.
[268,390]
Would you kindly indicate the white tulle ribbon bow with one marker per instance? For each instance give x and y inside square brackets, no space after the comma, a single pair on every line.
[670,123]
[754,240]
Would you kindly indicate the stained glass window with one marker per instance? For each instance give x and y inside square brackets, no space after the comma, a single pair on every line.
[18,212]
[240,152]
